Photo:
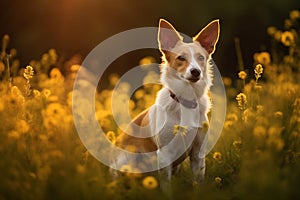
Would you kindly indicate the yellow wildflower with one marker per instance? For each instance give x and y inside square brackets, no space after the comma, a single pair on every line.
[242,75]
[53,98]
[52,56]
[288,23]
[124,88]
[111,136]
[287,38]
[296,105]
[80,169]
[16,98]
[259,108]
[217,156]
[274,131]
[43,138]
[75,68]
[278,115]
[294,14]
[55,109]
[55,115]
[227,81]
[56,155]
[139,94]
[150,182]
[258,70]
[241,100]
[228,124]
[56,74]
[14,134]
[155,88]
[248,115]
[46,93]
[263,58]
[16,91]
[105,123]
[277,35]
[147,60]
[232,117]
[136,172]
[151,77]
[70,99]
[259,131]
[5,41]
[279,144]
[180,129]
[113,79]
[218,180]
[126,168]
[237,144]
[131,105]
[28,73]
[274,139]
[271,30]
[130,148]
[100,114]
[22,126]
[36,93]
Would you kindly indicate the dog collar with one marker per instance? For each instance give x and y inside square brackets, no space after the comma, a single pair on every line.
[186,103]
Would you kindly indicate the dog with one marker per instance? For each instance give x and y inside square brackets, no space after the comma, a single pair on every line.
[174,128]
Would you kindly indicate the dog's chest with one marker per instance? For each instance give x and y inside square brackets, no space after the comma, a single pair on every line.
[170,119]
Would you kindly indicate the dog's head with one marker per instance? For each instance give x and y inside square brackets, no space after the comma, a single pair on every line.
[188,61]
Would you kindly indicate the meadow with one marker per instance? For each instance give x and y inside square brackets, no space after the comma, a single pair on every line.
[256,157]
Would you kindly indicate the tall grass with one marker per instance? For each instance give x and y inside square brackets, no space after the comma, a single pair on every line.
[256,157]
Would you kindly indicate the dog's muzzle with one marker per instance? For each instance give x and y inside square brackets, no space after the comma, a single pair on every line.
[195,75]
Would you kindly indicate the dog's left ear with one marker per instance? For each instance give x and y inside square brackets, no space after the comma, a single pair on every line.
[167,36]
[208,36]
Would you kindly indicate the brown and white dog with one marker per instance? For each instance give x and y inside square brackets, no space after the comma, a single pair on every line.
[181,105]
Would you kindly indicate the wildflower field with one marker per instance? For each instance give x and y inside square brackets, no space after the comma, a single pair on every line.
[256,157]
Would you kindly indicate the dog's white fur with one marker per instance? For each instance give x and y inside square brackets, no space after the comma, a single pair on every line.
[186,76]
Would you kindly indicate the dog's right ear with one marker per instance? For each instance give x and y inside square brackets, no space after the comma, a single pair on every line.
[167,36]
[209,36]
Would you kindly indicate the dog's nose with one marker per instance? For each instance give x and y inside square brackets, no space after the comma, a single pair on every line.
[195,72]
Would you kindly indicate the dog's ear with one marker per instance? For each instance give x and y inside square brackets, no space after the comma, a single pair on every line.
[167,36]
[208,36]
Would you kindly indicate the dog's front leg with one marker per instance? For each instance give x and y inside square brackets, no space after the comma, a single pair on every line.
[197,157]
[164,165]
[164,173]
[198,168]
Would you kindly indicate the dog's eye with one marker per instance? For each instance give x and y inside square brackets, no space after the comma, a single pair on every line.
[201,58]
[181,58]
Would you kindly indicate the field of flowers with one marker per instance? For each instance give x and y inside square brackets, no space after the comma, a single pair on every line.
[256,157]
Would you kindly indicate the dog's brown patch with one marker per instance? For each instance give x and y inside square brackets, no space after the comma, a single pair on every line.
[177,63]
[135,144]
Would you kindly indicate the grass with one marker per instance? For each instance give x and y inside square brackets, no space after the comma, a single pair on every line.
[256,157]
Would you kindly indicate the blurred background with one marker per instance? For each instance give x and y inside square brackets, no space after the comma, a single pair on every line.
[77,26]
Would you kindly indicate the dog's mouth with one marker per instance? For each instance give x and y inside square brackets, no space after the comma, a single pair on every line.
[193,80]
[189,79]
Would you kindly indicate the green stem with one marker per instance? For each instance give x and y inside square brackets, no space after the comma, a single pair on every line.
[239,53]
